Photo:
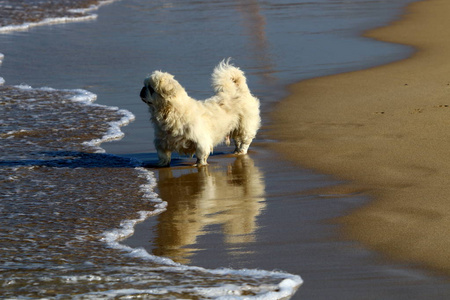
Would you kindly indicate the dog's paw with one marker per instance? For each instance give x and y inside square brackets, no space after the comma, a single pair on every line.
[199,165]
[240,152]
[201,162]
[163,164]
[242,149]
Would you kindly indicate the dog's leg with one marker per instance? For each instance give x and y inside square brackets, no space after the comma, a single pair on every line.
[202,156]
[164,158]
[201,160]
[242,149]
[164,155]
[242,146]
[237,144]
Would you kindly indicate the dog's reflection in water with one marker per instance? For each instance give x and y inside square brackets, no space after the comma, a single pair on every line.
[231,197]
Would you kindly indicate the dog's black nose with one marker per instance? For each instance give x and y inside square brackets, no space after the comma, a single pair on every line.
[143,93]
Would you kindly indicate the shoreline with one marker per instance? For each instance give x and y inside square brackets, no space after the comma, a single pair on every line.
[384,130]
[224,232]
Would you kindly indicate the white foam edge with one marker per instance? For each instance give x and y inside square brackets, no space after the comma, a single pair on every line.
[87,98]
[225,292]
[80,95]
[114,133]
[50,21]
[92,7]
[286,287]
[113,237]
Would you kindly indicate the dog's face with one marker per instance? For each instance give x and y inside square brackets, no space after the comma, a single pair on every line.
[159,89]
[147,92]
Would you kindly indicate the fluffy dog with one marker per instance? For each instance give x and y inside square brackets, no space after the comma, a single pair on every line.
[188,126]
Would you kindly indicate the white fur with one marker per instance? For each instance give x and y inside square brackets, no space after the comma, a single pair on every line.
[187,126]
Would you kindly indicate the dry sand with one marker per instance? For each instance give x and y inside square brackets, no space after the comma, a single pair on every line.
[386,131]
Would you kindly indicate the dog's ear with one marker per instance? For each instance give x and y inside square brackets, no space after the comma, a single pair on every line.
[164,84]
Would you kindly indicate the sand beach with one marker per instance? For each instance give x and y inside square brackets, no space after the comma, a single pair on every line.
[385,131]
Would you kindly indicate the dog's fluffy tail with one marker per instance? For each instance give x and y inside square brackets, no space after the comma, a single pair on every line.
[229,79]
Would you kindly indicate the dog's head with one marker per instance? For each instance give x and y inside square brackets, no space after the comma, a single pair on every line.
[159,89]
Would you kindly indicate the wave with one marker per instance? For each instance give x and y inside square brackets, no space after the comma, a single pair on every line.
[88,98]
[47,21]
[83,14]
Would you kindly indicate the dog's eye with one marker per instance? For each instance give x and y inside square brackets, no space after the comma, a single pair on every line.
[151,90]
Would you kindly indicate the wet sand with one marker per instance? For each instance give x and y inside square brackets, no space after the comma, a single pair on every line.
[385,131]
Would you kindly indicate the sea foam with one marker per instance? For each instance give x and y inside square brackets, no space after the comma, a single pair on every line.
[114,132]
[46,21]
[86,15]
[88,98]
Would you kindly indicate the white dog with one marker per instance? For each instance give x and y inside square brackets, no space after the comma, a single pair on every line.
[187,126]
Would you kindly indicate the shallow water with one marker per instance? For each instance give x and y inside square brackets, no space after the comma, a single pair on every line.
[18,12]
[274,42]
[66,204]
[61,201]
